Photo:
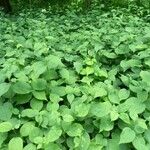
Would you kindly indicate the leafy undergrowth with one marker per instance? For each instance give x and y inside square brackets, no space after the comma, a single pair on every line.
[78,82]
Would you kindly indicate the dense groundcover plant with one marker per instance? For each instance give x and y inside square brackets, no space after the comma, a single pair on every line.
[78,82]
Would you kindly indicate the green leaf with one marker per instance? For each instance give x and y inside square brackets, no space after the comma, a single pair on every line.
[22,98]
[52,146]
[75,130]
[82,142]
[142,95]
[140,126]
[39,84]
[38,140]
[114,115]
[78,66]
[4,87]
[67,118]
[80,109]
[124,117]
[126,64]
[53,134]
[35,132]
[6,111]
[87,79]
[40,95]
[101,109]
[87,71]
[39,68]
[30,147]
[139,143]
[99,92]
[113,97]
[36,104]
[64,73]
[21,87]
[15,144]
[58,90]
[70,98]
[53,61]
[127,135]
[106,124]
[124,94]
[5,127]
[145,75]
[147,135]
[26,128]
[29,113]
[3,138]
[133,105]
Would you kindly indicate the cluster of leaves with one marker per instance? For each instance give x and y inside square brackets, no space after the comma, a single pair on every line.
[79,4]
[78,82]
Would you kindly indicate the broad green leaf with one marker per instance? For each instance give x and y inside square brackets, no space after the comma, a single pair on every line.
[53,134]
[114,115]
[52,146]
[22,98]
[59,90]
[21,87]
[15,123]
[68,118]
[142,95]
[40,95]
[124,94]
[87,71]
[94,146]
[75,129]
[78,66]
[125,80]
[3,138]
[4,87]
[36,104]
[70,98]
[87,79]
[99,139]
[113,144]
[145,75]
[133,105]
[106,124]
[99,92]
[53,61]
[39,68]
[26,128]
[124,117]
[82,142]
[147,135]
[139,143]
[5,127]
[39,84]
[147,62]
[6,111]
[38,140]
[113,97]
[101,109]
[29,113]
[101,72]
[30,147]
[35,132]
[15,143]
[140,126]
[126,64]
[64,74]
[127,135]
[80,109]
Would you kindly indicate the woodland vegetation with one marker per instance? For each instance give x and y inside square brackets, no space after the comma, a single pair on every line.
[75,75]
